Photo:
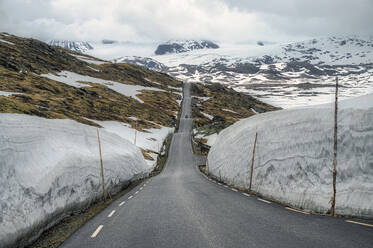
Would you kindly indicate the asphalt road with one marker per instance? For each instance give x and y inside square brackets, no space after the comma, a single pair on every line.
[181,208]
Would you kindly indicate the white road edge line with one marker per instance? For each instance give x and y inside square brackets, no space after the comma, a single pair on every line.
[225,186]
[111,213]
[219,183]
[141,188]
[129,198]
[136,192]
[121,204]
[245,194]
[296,210]
[260,199]
[359,223]
[235,190]
[97,231]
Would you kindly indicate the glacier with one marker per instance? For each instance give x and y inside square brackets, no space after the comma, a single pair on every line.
[294,154]
[50,168]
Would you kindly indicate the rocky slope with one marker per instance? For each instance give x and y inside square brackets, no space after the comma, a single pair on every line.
[182,46]
[77,46]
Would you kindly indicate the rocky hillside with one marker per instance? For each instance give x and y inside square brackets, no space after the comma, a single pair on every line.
[77,46]
[53,82]
[216,107]
[183,46]
[149,63]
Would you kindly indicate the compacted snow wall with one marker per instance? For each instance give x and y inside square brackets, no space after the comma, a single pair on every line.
[49,168]
[294,154]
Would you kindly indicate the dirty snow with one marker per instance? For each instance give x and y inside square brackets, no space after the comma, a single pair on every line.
[293,160]
[50,167]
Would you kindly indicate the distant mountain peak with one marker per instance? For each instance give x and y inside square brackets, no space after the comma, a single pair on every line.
[142,61]
[77,46]
[181,46]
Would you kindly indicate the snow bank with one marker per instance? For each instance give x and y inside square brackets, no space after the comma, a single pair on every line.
[293,160]
[49,168]
[150,139]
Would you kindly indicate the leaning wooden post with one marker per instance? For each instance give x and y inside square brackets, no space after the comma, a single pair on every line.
[252,162]
[332,208]
[102,166]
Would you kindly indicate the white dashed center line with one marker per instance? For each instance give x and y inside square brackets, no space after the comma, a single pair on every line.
[359,223]
[111,213]
[260,199]
[97,231]
[121,204]
[296,210]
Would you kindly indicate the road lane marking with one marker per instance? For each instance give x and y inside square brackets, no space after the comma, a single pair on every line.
[296,210]
[225,186]
[136,192]
[129,198]
[245,194]
[235,190]
[359,223]
[260,199]
[111,213]
[97,231]
[219,183]
[121,204]
[141,188]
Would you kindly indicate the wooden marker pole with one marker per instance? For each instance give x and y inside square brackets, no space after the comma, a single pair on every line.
[102,166]
[135,134]
[332,208]
[252,162]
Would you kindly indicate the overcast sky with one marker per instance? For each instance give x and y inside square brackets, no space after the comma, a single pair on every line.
[160,20]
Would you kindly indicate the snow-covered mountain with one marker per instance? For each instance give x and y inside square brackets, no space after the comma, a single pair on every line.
[149,63]
[181,46]
[77,46]
[287,75]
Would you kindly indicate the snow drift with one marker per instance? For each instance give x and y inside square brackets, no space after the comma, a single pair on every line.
[49,168]
[293,159]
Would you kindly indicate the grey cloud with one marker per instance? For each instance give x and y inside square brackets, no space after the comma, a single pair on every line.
[149,20]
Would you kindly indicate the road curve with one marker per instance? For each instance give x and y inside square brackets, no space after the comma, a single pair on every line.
[181,208]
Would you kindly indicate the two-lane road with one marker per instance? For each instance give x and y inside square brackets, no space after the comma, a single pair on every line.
[181,208]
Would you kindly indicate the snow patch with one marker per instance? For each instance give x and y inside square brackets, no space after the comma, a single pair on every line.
[77,80]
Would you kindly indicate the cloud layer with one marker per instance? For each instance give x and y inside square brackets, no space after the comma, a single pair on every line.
[149,20]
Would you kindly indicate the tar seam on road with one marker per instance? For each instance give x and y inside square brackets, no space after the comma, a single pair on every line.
[97,231]
[359,223]
[296,210]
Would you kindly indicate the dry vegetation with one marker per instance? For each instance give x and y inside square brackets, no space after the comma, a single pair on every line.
[22,62]
[216,107]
